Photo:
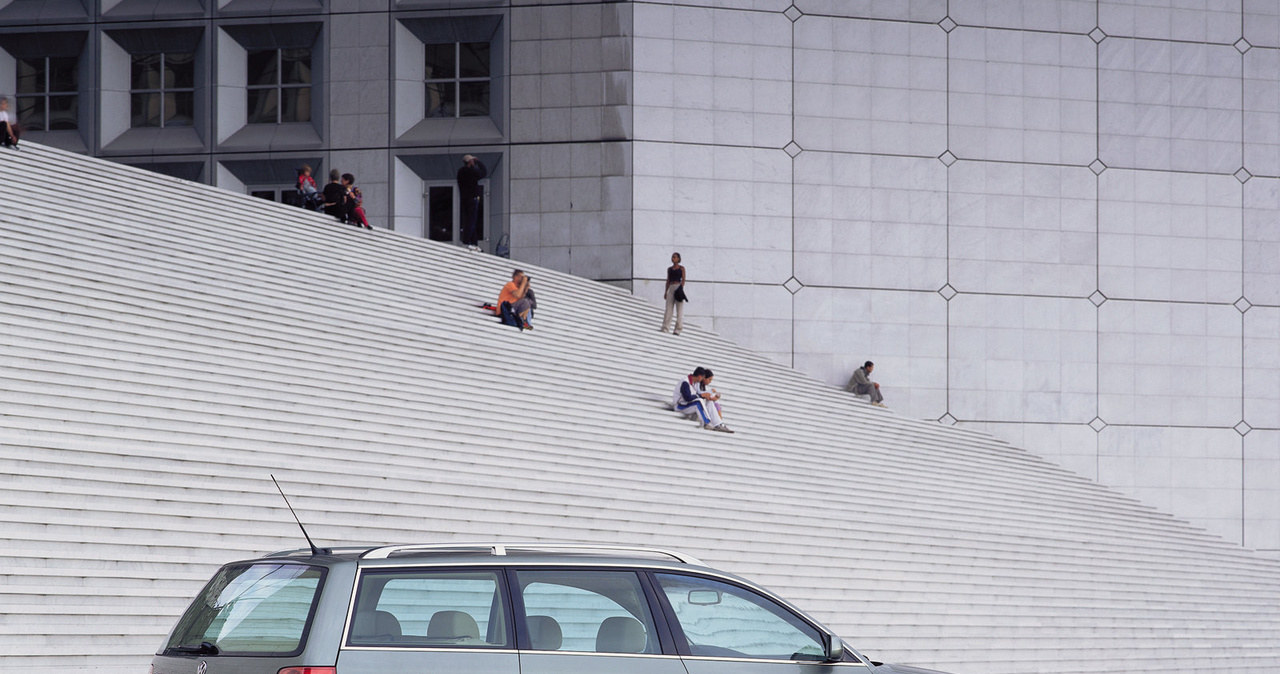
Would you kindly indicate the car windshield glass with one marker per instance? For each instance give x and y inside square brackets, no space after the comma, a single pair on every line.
[250,609]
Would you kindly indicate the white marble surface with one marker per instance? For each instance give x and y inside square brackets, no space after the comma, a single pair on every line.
[870,221]
[1262,112]
[1169,364]
[870,86]
[1262,241]
[1022,229]
[1261,498]
[1186,20]
[1065,16]
[1193,471]
[1022,96]
[1073,446]
[1169,105]
[1262,367]
[1022,359]
[1169,236]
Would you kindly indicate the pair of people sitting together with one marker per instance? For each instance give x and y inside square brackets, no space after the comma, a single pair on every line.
[694,397]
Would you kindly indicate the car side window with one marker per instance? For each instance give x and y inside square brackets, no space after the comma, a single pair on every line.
[724,620]
[416,608]
[587,611]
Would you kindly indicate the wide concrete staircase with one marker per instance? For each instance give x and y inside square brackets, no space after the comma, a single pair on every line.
[167,346]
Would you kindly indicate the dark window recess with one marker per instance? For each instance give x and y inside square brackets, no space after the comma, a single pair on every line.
[47,93]
[279,86]
[440,212]
[162,90]
[457,79]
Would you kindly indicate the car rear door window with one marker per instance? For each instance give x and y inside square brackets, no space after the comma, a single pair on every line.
[430,608]
[582,610]
[724,620]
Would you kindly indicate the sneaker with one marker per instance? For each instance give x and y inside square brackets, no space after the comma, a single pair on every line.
[881,405]
[723,429]
[526,326]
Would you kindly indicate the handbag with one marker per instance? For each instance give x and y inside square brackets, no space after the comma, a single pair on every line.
[680,296]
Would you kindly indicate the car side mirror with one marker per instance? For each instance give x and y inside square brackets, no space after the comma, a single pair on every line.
[835,648]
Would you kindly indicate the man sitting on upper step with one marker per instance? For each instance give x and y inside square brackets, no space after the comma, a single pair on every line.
[690,401]
[860,384]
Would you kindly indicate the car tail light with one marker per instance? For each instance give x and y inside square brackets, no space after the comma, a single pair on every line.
[309,670]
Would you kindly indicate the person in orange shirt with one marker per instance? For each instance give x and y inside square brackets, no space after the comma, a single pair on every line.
[513,303]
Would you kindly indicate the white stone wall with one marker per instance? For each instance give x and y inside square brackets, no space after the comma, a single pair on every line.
[1054,220]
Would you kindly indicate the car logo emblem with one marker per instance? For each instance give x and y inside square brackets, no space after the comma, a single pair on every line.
[201,667]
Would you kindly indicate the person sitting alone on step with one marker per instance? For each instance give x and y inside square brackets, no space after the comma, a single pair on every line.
[514,304]
[9,131]
[860,384]
[690,401]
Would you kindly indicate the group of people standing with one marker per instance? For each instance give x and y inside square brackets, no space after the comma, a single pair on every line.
[339,198]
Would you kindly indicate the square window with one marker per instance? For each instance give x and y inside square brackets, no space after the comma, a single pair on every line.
[31,76]
[295,104]
[264,106]
[263,70]
[441,99]
[144,109]
[180,108]
[31,112]
[146,71]
[474,59]
[441,61]
[179,71]
[474,99]
[64,74]
[64,114]
[295,66]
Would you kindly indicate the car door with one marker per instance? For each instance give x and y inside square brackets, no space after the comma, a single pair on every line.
[407,619]
[587,621]
[724,628]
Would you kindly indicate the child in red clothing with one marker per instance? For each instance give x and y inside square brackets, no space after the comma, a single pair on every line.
[307,188]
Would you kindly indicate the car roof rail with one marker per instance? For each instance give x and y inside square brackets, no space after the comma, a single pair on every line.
[501,550]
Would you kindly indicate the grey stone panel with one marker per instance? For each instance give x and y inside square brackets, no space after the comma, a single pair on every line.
[1062,16]
[929,11]
[1198,21]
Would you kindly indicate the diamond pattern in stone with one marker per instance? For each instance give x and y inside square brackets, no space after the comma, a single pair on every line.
[1097,424]
[793,149]
[947,158]
[793,285]
[947,419]
[1242,45]
[947,24]
[1243,175]
[1243,428]
[1097,167]
[793,13]
[1097,35]
[947,292]
[1097,298]
[1243,305]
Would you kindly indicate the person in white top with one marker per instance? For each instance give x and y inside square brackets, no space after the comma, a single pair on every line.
[8,127]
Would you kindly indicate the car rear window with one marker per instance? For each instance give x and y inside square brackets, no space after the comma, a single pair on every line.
[259,609]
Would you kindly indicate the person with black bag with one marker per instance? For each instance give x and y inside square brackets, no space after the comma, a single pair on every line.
[674,294]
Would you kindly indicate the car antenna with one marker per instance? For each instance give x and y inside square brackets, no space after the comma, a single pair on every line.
[314,549]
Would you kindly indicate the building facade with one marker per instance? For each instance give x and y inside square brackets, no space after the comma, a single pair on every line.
[1055,221]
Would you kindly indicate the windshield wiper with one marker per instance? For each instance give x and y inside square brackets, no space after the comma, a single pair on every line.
[205,648]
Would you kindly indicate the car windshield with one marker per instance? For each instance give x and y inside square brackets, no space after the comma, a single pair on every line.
[250,609]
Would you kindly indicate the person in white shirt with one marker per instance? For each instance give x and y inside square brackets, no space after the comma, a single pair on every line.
[8,126]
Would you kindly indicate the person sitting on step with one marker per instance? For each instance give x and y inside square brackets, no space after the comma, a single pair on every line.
[513,303]
[690,401]
[860,384]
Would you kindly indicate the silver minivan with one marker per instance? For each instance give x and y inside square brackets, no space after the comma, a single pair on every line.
[495,608]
